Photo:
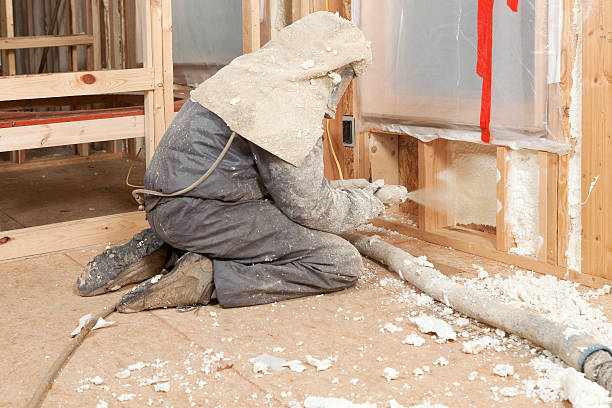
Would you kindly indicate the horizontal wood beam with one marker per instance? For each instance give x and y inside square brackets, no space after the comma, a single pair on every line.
[15,119]
[71,235]
[42,41]
[75,83]
[39,163]
[476,243]
[66,133]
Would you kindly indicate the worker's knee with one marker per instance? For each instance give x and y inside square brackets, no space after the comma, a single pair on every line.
[348,262]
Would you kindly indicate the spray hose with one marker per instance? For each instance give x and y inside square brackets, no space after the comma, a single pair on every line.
[138,193]
[578,350]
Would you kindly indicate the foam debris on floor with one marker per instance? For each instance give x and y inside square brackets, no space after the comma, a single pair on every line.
[379,344]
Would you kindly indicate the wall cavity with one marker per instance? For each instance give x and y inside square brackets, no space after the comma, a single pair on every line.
[522,202]
[471,182]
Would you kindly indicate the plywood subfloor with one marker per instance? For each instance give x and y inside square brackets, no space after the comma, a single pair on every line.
[205,353]
[49,195]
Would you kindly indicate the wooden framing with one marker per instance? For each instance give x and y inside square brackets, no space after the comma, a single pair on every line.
[94,53]
[9,32]
[503,235]
[432,159]
[66,133]
[547,210]
[483,245]
[91,40]
[82,149]
[251,36]
[8,62]
[377,155]
[568,47]
[597,139]
[384,161]
[75,83]
[43,41]
[63,236]
[554,221]
[53,162]
[154,80]
[436,227]
[384,158]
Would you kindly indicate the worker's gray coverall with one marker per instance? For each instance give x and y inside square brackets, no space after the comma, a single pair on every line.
[268,226]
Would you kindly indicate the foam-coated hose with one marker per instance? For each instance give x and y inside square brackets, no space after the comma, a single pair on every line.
[576,349]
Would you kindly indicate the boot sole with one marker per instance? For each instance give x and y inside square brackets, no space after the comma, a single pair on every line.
[138,259]
[142,270]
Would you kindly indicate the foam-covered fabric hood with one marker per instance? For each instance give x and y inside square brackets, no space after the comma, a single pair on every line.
[277,96]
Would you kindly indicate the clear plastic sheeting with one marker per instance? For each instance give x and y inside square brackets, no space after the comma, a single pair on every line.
[206,35]
[423,81]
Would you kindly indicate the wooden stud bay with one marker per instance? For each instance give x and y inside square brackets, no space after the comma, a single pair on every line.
[154,79]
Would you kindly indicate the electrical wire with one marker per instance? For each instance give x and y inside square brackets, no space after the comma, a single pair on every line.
[331,148]
[127,177]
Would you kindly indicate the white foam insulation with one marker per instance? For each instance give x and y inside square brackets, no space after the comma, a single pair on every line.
[521,213]
[471,181]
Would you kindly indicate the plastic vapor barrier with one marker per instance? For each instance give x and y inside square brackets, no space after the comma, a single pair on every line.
[424,80]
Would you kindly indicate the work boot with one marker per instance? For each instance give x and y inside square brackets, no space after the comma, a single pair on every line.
[142,257]
[189,283]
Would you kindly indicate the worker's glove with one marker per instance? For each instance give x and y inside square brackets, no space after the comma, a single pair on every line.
[349,184]
[390,194]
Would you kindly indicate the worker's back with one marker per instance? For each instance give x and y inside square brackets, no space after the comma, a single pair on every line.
[190,146]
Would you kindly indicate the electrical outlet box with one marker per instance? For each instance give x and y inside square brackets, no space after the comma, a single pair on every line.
[348,131]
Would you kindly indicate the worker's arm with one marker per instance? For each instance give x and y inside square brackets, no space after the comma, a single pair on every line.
[304,195]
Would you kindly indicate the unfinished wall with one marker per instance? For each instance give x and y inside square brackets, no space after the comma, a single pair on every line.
[40,24]
[471,182]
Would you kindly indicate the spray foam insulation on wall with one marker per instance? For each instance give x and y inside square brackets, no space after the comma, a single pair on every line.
[521,213]
[470,181]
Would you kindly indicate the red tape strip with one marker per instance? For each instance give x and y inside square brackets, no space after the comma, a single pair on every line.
[485,60]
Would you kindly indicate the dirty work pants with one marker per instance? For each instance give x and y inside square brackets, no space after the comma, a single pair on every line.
[259,255]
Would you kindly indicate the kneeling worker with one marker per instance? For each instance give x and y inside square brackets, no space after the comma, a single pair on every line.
[262,225]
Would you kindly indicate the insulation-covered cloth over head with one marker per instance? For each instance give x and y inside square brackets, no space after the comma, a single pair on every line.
[277,96]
